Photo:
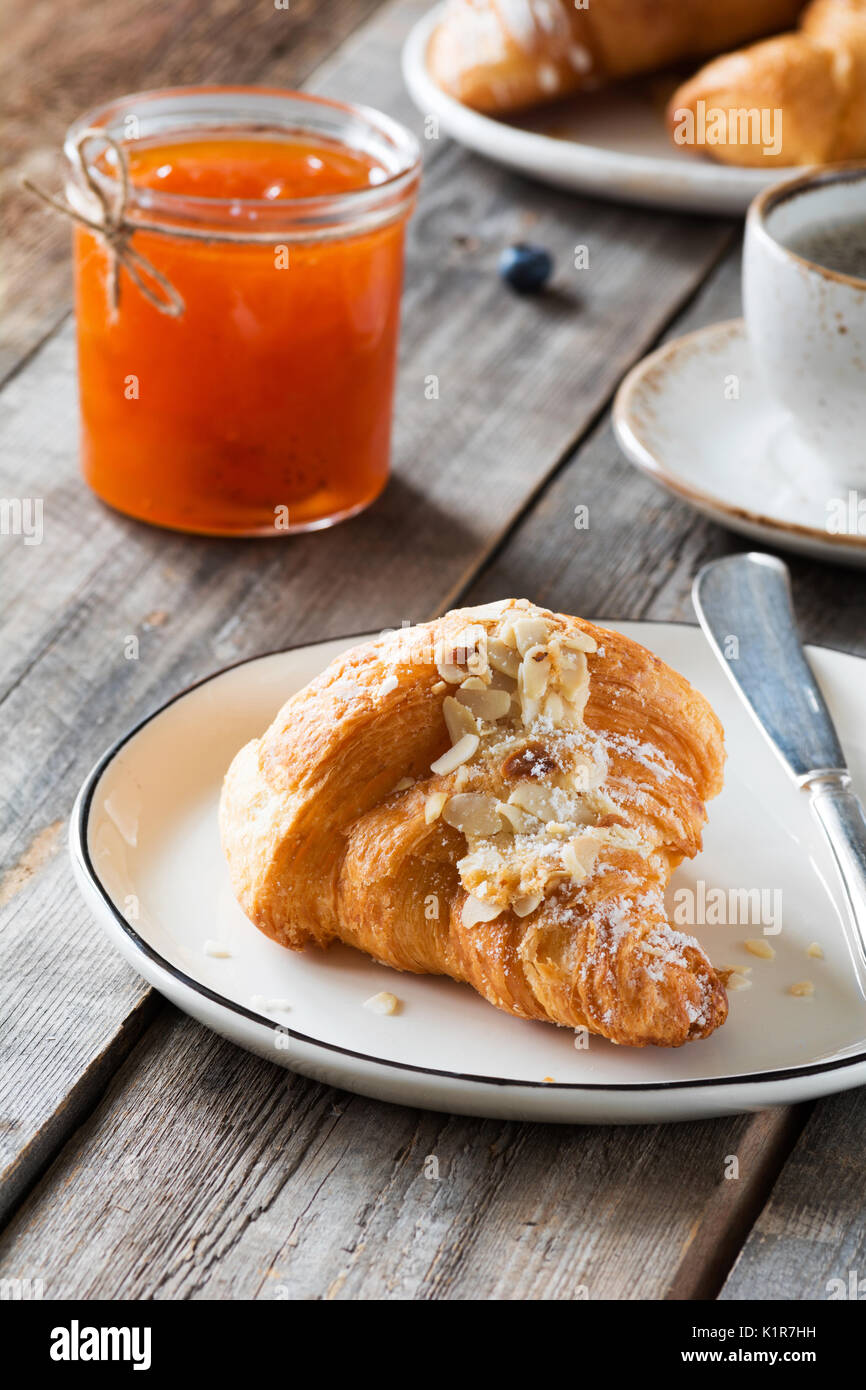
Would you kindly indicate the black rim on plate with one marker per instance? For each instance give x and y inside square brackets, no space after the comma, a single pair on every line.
[85,801]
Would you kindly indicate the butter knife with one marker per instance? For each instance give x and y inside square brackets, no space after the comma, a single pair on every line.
[745,608]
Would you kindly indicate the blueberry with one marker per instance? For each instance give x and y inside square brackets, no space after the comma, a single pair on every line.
[526,268]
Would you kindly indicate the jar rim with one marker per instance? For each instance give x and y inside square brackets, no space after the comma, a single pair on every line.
[266,103]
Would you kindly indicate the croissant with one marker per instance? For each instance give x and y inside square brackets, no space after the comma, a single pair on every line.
[501,55]
[499,796]
[811,83]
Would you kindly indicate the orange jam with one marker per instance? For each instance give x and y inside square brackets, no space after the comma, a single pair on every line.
[265,406]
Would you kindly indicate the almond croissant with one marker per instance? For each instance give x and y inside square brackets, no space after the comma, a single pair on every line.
[501,55]
[806,89]
[499,796]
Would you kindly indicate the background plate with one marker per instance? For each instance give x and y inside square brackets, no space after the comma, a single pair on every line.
[146,852]
[611,143]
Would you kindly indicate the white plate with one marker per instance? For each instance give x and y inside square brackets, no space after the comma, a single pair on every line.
[147,857]
[736,459]
[623,151]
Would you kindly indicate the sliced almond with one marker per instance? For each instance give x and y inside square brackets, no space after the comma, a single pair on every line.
[580,854]
[803,989]
[433,805]
[404,784]
[464,656]
[573,862]
[579,642]
[459,719]
[471,650]
[554,709]
[530,705]
[554,877]
[499,681]
[522,906]
[474,911]
[450,673]
[382,1003]
[530,632]
[529,710]
[503,658]
[738,981]
[534,798]
[521,822]
[581,814]
[534,672]
[485,703]
[473,813]
[574,670]
[573,684]
[761,948]
[460,753]
[492,609]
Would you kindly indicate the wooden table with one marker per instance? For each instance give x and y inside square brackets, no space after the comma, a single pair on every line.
[142,1155]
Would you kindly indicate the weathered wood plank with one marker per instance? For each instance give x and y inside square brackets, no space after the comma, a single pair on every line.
[204,1175]
[519,382]
[809,1242]
[55,63]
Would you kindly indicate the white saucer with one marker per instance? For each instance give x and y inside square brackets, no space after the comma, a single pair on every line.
[736,459]
[146,853]
[611,143]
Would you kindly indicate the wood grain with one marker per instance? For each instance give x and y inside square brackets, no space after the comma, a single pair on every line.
[809,1242]
[204,1174]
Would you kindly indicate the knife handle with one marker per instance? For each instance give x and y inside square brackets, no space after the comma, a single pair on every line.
[840,815]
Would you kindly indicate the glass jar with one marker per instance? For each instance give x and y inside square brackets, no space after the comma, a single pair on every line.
[247,389]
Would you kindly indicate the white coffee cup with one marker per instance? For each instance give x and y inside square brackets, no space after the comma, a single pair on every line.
[807,323]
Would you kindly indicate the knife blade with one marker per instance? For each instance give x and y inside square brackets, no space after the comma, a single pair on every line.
[745,608]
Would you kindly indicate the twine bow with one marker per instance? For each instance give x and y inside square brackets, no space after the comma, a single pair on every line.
[114,228]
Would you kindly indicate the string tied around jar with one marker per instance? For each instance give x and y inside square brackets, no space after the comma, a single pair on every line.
[114,228]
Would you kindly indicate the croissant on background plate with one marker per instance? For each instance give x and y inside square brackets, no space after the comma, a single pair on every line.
[814,78]
[499,796]
[503,55]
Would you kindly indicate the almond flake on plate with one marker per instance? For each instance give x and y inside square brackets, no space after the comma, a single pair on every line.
[270,1006]
[736,980]
[217,950]
[803,989]
[757,947]
[382,1003]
